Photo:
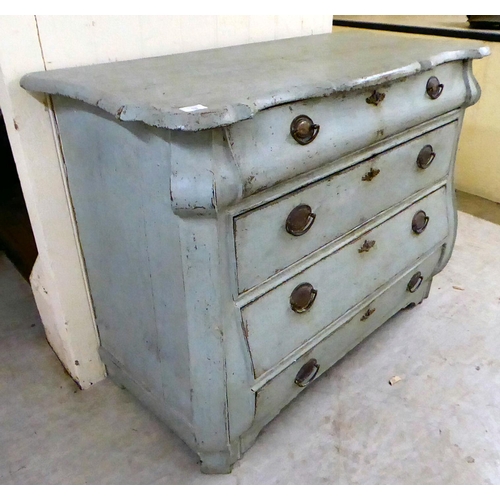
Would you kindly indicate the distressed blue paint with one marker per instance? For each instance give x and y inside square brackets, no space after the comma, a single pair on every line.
[181,215]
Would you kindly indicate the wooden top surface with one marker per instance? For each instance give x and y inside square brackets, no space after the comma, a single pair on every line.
[234,83]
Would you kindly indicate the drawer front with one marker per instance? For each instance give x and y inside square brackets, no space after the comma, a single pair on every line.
[266,152]
[280,390]
[264,243]
[284,318]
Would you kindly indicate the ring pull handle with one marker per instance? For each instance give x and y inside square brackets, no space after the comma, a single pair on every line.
[434,88]
[426,156]
[419,222]
[300,220]
[307,373]
[303,129]
[415,282]
[302,298]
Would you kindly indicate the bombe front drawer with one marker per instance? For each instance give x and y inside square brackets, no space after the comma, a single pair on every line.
[290,139]
[270,238]
[285,317]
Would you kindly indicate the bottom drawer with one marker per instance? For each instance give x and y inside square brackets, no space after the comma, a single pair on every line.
[281,389]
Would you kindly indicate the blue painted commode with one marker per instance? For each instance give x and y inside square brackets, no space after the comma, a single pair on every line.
[249,214]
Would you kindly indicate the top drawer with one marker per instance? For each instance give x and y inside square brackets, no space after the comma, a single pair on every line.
[338,204]
[266,152]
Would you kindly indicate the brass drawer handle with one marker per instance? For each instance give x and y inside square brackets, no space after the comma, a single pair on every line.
[371,174]
[433,87]
[366,246]
[426,156]
[302,298]
[419,222]
[376,98]
[300,220]
[303,130]
[367,314]
[415,282]
[307,373]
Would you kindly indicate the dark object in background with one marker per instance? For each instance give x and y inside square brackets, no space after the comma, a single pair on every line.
[16,235]
[484,22]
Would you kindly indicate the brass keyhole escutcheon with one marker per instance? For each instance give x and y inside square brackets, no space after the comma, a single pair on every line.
[367,314]
[433,87]
[307,373]
[303,129]
[376,98]
[366,246]
[302,298]
[371,174]
[300,220]
[415,282]
[419,222]
[426,156]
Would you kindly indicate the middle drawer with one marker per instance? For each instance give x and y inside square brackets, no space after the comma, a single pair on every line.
[325,210]
[281,320]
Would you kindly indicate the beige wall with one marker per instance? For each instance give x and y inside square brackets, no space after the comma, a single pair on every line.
[478,158]
[34,43]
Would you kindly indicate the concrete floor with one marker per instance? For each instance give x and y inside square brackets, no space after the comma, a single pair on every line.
[439,425]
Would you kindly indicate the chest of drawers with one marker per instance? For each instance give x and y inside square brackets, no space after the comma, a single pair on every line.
[249,214]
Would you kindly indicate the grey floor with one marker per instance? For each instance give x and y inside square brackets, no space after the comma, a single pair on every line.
[439,425]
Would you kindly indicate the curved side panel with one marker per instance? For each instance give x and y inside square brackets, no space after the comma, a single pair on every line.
[204,180]
[451,205]
[204,177]
[220,365]
[471,84]
[473,91]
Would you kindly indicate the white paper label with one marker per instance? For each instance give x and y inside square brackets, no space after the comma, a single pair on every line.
[196,107]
